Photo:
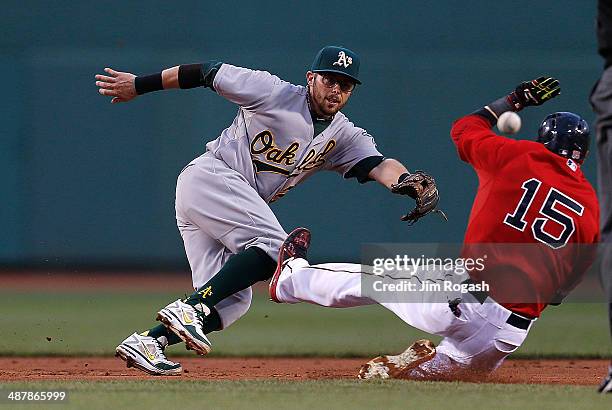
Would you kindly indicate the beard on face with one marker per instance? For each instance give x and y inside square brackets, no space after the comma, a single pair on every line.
[324,101]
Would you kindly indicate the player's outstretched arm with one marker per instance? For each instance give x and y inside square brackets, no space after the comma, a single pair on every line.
[388,172]
[124,86]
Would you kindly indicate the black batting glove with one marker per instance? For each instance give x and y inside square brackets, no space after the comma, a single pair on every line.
[528,93]
[534,92]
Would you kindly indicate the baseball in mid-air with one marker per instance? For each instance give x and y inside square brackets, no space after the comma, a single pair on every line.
[509,122]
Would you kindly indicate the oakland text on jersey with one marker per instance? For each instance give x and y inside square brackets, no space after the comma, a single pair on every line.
[313,160]
[264,145]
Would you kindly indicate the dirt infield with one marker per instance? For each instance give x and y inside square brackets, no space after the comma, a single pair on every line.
[565,372]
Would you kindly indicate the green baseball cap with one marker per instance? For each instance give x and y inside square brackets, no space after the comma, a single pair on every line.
[335,59]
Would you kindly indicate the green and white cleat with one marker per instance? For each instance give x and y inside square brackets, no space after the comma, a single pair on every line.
[146,353]
[186,321]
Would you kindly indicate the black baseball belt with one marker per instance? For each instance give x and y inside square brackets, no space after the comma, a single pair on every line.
[513,320]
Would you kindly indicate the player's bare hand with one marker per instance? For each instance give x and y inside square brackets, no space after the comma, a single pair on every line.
[117,84]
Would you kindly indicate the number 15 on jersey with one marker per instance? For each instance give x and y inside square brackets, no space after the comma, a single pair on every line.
[549,211]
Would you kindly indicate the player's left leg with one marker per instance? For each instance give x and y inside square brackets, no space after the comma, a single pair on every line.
[347,285]
[220,202]
[328,284]
[216,203]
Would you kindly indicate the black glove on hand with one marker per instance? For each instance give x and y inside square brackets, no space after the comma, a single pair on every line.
[528,93]
[534,92]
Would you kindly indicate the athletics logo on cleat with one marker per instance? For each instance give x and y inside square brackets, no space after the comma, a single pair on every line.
[343,60]
[206,292]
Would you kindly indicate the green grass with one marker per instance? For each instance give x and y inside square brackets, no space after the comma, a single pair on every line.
[330,394]
[94,323]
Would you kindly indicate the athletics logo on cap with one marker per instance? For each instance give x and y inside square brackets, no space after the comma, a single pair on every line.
[339,60]
[343,60]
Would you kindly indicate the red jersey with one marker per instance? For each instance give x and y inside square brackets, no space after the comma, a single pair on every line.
[527,194]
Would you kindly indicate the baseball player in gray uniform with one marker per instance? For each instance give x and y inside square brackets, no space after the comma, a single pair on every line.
[601,101]
[282,134]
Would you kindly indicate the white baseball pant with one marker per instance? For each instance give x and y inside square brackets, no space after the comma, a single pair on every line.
[478,340]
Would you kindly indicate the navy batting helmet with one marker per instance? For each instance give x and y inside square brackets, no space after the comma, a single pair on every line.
[566,134]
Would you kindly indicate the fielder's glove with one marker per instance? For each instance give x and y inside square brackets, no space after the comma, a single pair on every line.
[422,188]
[534,92]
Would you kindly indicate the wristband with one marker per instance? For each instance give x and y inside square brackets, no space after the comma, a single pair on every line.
[488,114]
[148,83]
[190,76]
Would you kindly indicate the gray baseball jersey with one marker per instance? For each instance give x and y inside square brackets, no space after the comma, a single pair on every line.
[271,139]
[222,196]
